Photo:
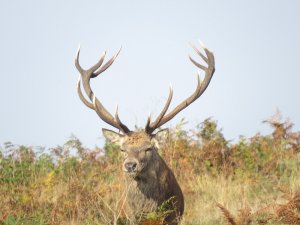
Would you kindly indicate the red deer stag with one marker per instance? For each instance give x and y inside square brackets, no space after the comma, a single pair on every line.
[151,181]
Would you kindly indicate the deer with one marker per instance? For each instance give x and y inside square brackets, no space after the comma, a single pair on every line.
[150,180]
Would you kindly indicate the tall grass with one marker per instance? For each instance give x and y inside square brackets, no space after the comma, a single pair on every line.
[253,181]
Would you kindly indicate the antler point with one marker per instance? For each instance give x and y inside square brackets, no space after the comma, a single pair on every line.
[118,52]
[79,79]
[198,76]
[78,51]
[117,113]
[202,44]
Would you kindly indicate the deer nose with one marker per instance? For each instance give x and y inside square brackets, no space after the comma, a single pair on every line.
[130,166]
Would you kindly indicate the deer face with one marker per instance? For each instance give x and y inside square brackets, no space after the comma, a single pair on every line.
[138,149]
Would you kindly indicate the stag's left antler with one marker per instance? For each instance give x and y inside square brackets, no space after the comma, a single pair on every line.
[201,87]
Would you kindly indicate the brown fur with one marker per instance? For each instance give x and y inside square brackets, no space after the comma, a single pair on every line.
[152,183]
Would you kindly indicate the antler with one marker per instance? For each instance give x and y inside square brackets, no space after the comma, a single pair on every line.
[201,87]
[94,103]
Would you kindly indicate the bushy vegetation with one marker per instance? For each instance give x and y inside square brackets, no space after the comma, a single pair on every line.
[253,181]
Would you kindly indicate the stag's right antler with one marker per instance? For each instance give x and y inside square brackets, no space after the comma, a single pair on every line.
[94,103]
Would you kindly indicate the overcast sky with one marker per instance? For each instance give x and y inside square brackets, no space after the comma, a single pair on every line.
[256,45]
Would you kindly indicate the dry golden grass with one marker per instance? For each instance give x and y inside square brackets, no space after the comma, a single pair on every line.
[253,181]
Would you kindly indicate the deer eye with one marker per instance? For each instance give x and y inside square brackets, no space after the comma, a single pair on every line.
[122,150]
[148,149]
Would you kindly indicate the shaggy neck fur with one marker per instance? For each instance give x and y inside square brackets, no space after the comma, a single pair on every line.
[152,187]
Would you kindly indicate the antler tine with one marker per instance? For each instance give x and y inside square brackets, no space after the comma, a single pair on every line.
[148,122]
[86,75]
[96,105]
[209,71]
[77,64]
[197,64]
[198,52]
[109,63]
[151,127]
[183,104]
[201,86]
[82,98]
[97,65]
[117,119]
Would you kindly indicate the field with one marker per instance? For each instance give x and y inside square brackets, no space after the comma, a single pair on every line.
[255,180]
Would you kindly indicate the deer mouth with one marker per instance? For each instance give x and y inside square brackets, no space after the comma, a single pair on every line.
[132,174]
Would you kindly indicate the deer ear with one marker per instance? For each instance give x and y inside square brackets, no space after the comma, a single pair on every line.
[112,136]
[160,137]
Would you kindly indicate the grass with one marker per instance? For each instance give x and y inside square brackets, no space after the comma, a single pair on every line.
[253,181]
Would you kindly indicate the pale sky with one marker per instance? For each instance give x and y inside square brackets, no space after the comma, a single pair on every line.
[256,45]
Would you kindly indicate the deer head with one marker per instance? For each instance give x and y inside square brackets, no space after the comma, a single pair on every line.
[139,147]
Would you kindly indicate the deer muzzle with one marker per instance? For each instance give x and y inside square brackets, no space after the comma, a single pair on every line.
[130,167]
